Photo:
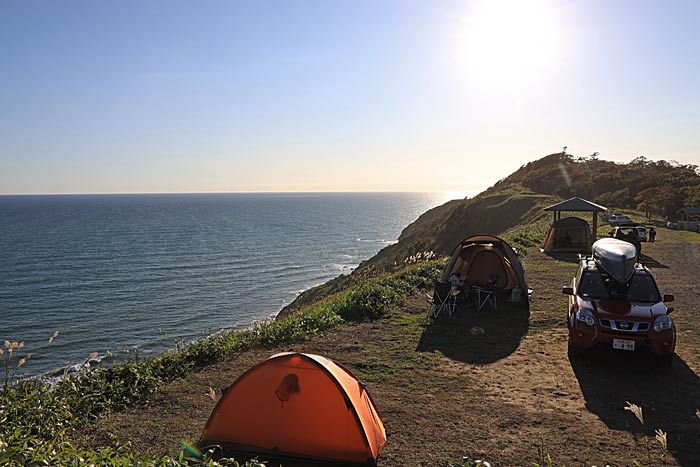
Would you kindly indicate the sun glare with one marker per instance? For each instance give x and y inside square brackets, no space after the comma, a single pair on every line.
[508,42]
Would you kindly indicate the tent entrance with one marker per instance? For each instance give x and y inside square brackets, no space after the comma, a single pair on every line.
[571,234]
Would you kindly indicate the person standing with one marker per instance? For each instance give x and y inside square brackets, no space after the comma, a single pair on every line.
[652,234]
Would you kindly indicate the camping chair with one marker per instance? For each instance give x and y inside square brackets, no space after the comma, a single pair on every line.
[483,296]
[487,294]
[444,300]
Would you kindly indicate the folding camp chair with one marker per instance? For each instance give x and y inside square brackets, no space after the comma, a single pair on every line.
[444,300]
[483,296]
[487,293]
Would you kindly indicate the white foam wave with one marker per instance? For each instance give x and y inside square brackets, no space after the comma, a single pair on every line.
[377,240]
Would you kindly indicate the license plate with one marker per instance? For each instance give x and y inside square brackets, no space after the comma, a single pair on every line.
[623,344]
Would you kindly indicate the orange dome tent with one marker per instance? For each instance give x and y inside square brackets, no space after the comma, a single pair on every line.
[296,407]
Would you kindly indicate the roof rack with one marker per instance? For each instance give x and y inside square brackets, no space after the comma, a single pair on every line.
[585,257]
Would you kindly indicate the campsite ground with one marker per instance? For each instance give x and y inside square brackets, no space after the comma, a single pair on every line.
[496,385]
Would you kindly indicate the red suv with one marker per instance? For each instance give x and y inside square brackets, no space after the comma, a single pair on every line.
[628,316]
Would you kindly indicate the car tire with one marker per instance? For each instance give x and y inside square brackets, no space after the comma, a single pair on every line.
[574,350]
[666,360]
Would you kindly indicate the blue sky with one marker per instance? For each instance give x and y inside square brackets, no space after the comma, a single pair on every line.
[104,97]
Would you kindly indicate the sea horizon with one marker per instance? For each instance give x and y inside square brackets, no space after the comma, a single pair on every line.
[467,193]
[114,272]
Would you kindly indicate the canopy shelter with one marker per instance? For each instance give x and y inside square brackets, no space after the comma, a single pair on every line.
[577,204]
[568,234]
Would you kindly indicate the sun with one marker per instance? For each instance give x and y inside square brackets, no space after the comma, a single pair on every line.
[502,42]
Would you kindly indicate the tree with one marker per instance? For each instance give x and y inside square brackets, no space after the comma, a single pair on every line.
[692,199]
[654,199]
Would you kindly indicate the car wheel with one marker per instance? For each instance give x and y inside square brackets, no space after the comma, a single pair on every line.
[574,350]
[666,360]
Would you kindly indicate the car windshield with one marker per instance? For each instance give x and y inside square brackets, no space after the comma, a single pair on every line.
[640,288]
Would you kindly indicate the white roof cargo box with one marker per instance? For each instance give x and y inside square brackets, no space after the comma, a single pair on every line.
[616,257]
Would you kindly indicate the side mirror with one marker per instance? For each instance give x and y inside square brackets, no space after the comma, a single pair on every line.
[567,290]
[669,310]
[668,297]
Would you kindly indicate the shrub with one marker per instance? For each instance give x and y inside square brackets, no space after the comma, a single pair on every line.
[372,298]
[368,300]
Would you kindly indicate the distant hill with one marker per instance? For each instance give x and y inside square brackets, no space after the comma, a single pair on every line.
[513,207]
[668,186]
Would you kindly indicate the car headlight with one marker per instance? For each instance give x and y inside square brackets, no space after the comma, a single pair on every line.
[662,323]
[585,315]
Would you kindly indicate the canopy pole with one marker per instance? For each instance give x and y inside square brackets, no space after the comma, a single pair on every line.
[595,225]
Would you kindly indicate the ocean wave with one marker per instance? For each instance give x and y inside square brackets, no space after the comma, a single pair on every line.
[54,376]
[345,267]
[383,241]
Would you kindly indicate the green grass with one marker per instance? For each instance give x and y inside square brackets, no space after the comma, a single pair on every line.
[686,236]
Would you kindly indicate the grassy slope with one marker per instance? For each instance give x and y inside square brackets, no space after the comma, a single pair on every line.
[493,212]
[517,201]
[487,385]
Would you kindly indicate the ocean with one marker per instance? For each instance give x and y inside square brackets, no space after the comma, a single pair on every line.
[118,274]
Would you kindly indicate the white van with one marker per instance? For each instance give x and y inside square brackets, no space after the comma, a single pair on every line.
[619,219]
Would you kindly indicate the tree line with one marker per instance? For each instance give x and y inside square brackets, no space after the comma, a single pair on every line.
[655,187]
